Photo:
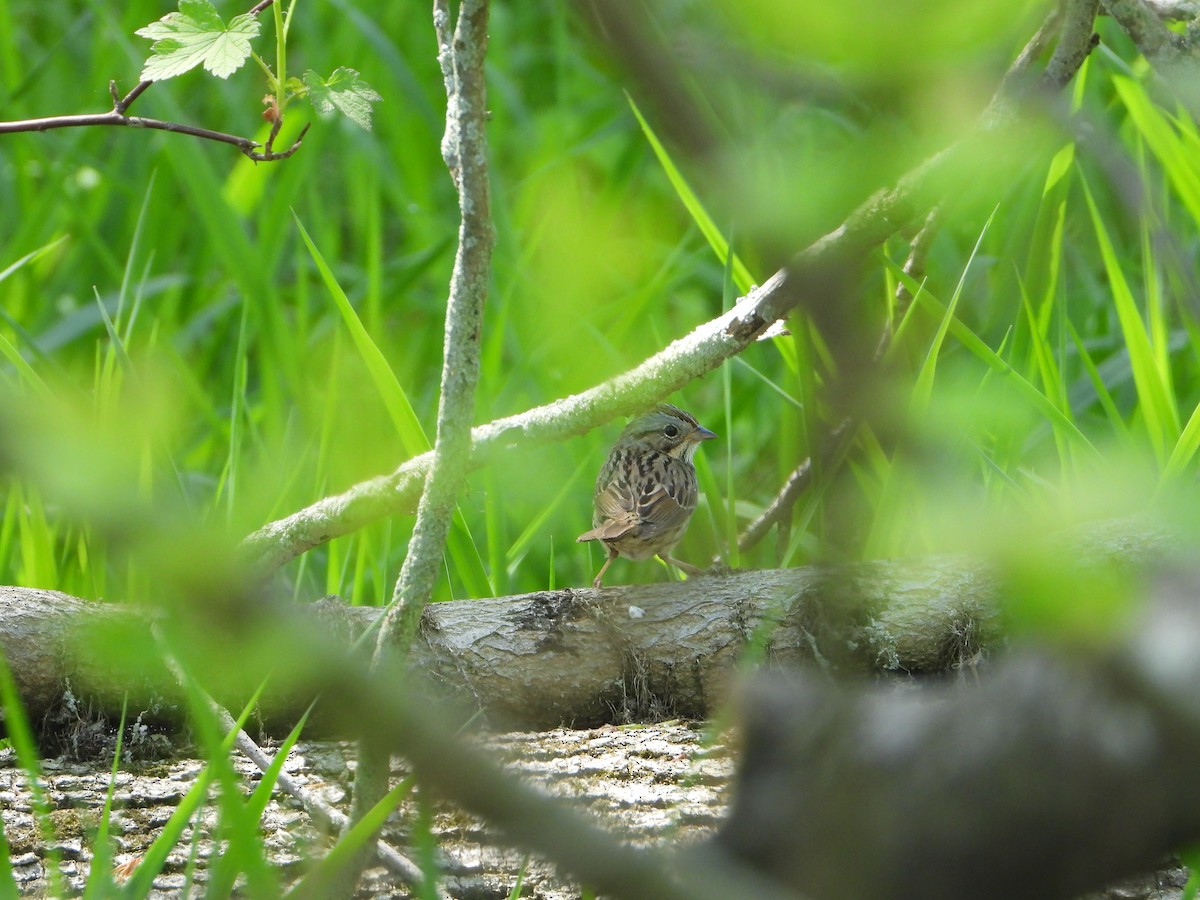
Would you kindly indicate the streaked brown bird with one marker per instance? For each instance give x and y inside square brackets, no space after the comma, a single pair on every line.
[646,491]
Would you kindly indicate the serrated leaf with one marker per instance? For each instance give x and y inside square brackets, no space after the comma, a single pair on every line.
[197,35]
[343,91]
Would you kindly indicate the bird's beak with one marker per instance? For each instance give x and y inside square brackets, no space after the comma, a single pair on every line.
[702,434]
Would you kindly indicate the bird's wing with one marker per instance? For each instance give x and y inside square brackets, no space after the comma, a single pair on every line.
[616,513]
[667,503]
[653,505]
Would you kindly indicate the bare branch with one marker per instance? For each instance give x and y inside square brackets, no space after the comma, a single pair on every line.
[49,123]
[779,510]
[270,154]
[118,117]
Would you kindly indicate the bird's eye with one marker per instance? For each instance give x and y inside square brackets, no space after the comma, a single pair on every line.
[671,431]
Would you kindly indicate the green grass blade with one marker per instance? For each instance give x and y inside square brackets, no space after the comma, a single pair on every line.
[30,257]
[318,882]
[1103,394]
[257,804]
[1048,371]
[923,388]
[100,880]
[17,726]
[223,877]
[218,748]
[412,436]
[1184,450]
[10,352]
[979,348]
[729,534]
[1190,857]
[1176,154]
[534,531]
[468,564]
[424,843]
[741,275]
[8,882]
[245,853]
[155,857]
[1155,398]
[30,377]
[519,884]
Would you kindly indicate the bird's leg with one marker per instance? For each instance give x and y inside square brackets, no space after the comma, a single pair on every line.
[612,554]
[688,568]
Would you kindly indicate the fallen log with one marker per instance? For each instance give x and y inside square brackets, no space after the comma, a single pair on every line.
[579,657]
[576,657]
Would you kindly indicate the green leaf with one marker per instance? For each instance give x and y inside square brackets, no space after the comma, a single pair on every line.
[343,91]
[197,35]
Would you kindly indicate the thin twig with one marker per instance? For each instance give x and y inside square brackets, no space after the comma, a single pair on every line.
[779,511]
[114,118]
[118,116]
[121,106]
[270,154]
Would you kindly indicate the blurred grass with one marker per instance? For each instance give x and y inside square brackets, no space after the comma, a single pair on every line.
[180,363]
[161,286]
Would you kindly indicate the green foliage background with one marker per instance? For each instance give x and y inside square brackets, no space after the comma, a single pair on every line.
[186,375]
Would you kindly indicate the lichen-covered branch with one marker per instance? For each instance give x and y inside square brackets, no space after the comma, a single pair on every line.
[461,55]
[1154,39]
[464,148]
[1075,41]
